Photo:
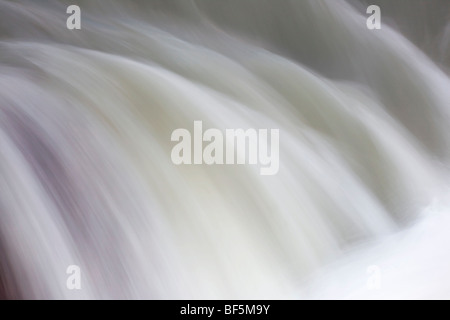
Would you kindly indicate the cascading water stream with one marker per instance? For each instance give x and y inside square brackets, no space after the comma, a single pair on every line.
[86,176]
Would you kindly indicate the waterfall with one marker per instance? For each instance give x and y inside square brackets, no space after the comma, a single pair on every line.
[86,176]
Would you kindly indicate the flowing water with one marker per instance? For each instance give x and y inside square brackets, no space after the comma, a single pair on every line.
[86,176]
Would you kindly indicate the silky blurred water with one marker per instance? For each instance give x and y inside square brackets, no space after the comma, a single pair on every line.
[86,176]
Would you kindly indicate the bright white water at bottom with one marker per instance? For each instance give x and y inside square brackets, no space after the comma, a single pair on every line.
[86,176]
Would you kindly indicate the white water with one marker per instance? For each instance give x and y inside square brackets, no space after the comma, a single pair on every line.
[86,176]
